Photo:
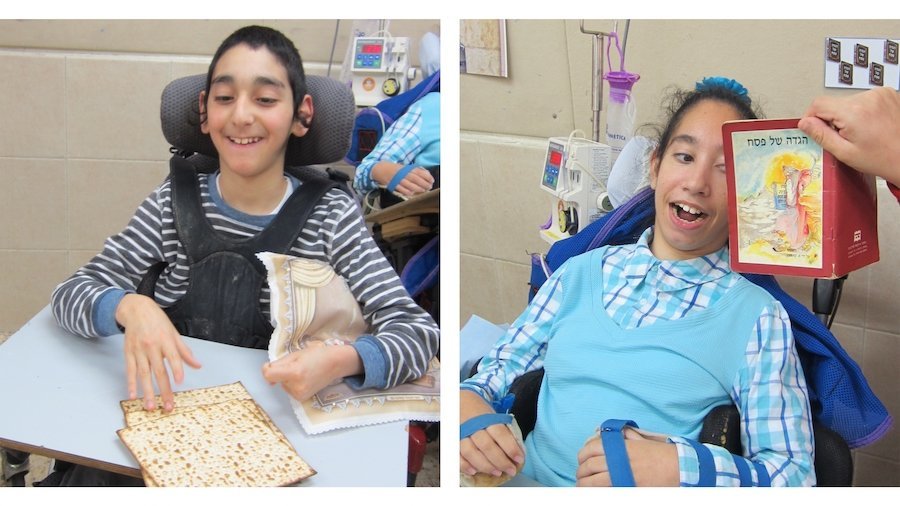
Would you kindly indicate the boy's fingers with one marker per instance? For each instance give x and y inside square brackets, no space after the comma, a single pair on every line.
[146,384]
[131,375]
[162,381]
[275,372]
[186,354]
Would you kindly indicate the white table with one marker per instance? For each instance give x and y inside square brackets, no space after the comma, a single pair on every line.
[60,398]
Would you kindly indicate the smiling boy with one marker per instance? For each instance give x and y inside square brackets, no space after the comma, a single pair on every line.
[255,100]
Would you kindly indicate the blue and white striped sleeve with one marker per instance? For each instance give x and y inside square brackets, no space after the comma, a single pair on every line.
[404,337]
[776,423]
[399,144]
[85,304]
[523,346]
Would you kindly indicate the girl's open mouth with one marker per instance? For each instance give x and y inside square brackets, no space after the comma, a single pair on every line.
[687,213]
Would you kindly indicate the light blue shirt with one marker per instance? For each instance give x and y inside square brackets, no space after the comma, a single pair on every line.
[638,290]
[415,138]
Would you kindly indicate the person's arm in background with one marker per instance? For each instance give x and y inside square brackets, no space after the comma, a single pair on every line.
[398,147]
[861,130]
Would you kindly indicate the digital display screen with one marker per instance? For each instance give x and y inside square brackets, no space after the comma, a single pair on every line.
[550,178]
[555,158]
[371,48]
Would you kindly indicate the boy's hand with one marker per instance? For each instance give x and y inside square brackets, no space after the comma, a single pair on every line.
[150,342]
[653,463]
[493,450]
[304,372]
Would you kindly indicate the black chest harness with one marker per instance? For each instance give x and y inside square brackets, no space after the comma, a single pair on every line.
[222,299]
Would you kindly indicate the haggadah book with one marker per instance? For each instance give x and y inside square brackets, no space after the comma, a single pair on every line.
[793,208]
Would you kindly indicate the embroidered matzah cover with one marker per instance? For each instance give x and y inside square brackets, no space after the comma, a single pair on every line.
[311,305]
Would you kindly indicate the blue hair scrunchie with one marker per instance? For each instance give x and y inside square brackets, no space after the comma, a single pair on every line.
[738,89]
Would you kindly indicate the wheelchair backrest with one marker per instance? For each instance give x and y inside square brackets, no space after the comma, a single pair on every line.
[327,141]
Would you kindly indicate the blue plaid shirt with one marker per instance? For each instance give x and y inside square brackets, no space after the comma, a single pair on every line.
[639,289]
[413,138]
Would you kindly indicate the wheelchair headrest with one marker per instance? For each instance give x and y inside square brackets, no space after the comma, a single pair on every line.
[328,139]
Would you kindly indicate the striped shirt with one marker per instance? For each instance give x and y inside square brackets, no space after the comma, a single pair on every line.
[638,290]
[404,337]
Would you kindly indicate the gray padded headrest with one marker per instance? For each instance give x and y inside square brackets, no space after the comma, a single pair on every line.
[328,139]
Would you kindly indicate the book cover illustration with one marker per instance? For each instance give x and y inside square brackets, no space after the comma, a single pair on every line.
[778,189]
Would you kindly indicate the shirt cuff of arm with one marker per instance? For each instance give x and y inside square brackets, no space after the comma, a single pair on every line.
[688,463]
[103,313]
[374,365]
[481,392]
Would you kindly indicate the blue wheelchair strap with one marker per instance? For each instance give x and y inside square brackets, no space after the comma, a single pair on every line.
[616,456]
[743,470]
[762,475]
[707,464]
[476,423]
[406,169]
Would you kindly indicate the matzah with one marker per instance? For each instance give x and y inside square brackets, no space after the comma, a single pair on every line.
[229,442]
[136,414]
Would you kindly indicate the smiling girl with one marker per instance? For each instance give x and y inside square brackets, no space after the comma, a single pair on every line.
[659,333]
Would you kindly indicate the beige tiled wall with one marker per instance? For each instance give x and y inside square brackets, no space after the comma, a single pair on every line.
[506,122]
[80,139]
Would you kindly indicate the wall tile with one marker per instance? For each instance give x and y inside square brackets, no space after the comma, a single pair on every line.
[880,359]
[536,99]
[27,284]
[513,284]
[871,471]
[78,258]
[883,303]
[201,36]
[515,206]
[478,289]
[32,105]
[113,111]
[854,296]
[475,236]
[190,68]
[103,196]
[33,204]
[854,304]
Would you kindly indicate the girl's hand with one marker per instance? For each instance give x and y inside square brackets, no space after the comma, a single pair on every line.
[653,463]
[493,450]
[150,342]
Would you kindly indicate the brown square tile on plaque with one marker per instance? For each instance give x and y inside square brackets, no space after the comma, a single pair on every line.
[861,55]
[876,74]
[891,50]
[833,52]
[846,73]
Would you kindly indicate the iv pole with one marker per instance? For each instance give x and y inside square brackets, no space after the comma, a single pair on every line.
[597,73]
